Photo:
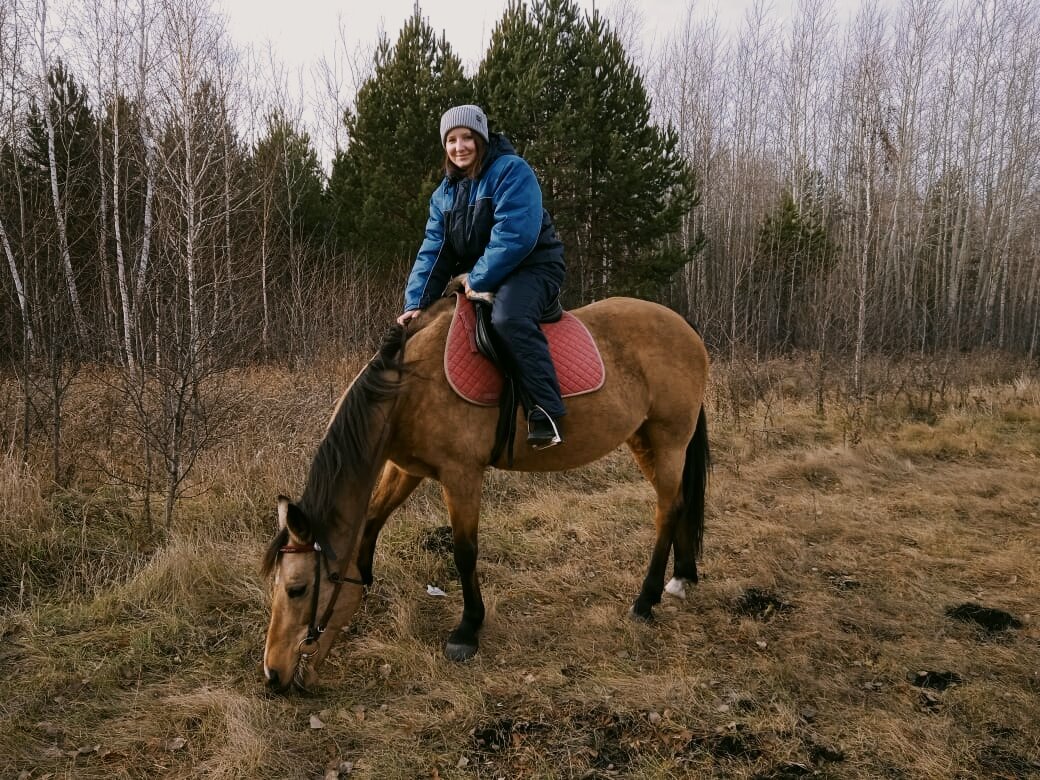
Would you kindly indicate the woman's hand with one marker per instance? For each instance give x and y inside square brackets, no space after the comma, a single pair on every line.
[473,295]
[408,315]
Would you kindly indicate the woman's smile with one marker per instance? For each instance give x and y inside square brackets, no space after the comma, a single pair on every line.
[461,147]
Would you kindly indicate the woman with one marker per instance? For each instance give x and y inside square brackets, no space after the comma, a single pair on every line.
[487,221]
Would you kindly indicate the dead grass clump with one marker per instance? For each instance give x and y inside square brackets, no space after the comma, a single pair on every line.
[22,504]
[192,574]
[68,546]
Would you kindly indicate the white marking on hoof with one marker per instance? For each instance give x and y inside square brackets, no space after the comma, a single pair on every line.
[676,587]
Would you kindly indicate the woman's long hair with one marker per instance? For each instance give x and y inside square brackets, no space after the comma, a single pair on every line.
[452,171]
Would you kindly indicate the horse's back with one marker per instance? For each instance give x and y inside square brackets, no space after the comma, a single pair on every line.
[655,371]
[634,332]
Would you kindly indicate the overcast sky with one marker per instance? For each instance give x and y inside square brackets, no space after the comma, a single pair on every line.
[301,30]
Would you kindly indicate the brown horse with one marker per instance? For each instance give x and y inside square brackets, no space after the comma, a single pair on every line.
[400,422]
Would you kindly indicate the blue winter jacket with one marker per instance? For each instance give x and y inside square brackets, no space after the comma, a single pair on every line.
[487,227]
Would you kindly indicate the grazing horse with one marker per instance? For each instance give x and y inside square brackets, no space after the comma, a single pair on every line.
[400,422]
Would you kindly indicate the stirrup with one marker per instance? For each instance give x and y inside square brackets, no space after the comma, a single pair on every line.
[542,431]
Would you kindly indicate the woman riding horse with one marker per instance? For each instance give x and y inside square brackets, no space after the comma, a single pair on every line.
[401,421]
[487,221]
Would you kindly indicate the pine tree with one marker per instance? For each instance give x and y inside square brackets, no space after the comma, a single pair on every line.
[69,113]
[798,257]
[380,186]
[285,168]
[560,84]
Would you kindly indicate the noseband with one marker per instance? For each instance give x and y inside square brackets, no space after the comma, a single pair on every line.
[316,628]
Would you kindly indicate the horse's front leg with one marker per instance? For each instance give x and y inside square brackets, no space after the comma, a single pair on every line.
[395,485]
[462,495]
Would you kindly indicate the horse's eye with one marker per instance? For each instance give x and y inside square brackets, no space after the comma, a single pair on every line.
[296,591]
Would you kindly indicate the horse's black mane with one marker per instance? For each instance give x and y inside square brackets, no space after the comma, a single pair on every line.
[347,450]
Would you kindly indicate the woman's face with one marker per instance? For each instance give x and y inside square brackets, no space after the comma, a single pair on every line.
[461,147]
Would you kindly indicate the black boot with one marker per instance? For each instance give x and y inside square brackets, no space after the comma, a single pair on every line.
[542,430]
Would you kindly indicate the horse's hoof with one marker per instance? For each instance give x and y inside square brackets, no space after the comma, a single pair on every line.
[676,587]
[456,651]
[641,616]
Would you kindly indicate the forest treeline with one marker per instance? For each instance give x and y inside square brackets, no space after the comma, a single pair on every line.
[804,183]
[829,184]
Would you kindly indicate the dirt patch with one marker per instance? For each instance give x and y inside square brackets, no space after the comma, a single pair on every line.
[819,753]
[786,771]
[936,681]
[437,540]
[998,761]
[504,734]
[613,737]
[992,620]
[761,604]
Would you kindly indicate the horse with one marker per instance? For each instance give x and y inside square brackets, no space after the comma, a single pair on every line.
[399,422]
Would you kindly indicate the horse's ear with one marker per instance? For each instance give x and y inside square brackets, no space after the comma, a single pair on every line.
[283,512]
[290,516]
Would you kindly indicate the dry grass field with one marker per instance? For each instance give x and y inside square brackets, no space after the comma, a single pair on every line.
[819,643]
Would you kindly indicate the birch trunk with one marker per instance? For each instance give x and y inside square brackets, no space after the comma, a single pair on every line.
[56,201]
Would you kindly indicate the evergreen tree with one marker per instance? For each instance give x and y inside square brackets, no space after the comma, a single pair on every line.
[560,84]
[798,257]
[286,170]
[76,169]
[381,185]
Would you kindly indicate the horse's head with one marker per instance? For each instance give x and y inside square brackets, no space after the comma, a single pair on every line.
[312,598]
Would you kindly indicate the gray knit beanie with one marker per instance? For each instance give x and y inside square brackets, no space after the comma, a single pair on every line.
[472,117]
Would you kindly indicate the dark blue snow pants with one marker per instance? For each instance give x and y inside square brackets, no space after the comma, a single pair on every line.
[520,302]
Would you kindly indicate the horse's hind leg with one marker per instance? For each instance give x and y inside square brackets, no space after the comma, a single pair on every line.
[462,495]
[662,464]
[393,488]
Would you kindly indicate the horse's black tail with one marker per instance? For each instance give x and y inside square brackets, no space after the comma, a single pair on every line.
[695,485]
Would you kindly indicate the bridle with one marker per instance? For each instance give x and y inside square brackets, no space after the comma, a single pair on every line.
[315,627]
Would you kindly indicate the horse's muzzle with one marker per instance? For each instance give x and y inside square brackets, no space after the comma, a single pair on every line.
[274,682]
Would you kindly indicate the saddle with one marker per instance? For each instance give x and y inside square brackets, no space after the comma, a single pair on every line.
[479,371]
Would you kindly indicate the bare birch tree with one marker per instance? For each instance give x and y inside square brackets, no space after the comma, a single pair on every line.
[11,48]
[45,63]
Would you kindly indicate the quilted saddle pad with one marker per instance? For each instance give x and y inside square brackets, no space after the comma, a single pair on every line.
[579,366]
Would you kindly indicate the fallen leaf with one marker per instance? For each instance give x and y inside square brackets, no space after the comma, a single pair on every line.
[463,762]
[316,722]
[433,590]
[176,743]
[48,728]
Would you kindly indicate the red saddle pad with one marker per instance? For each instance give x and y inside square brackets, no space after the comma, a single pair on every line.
[579,366]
